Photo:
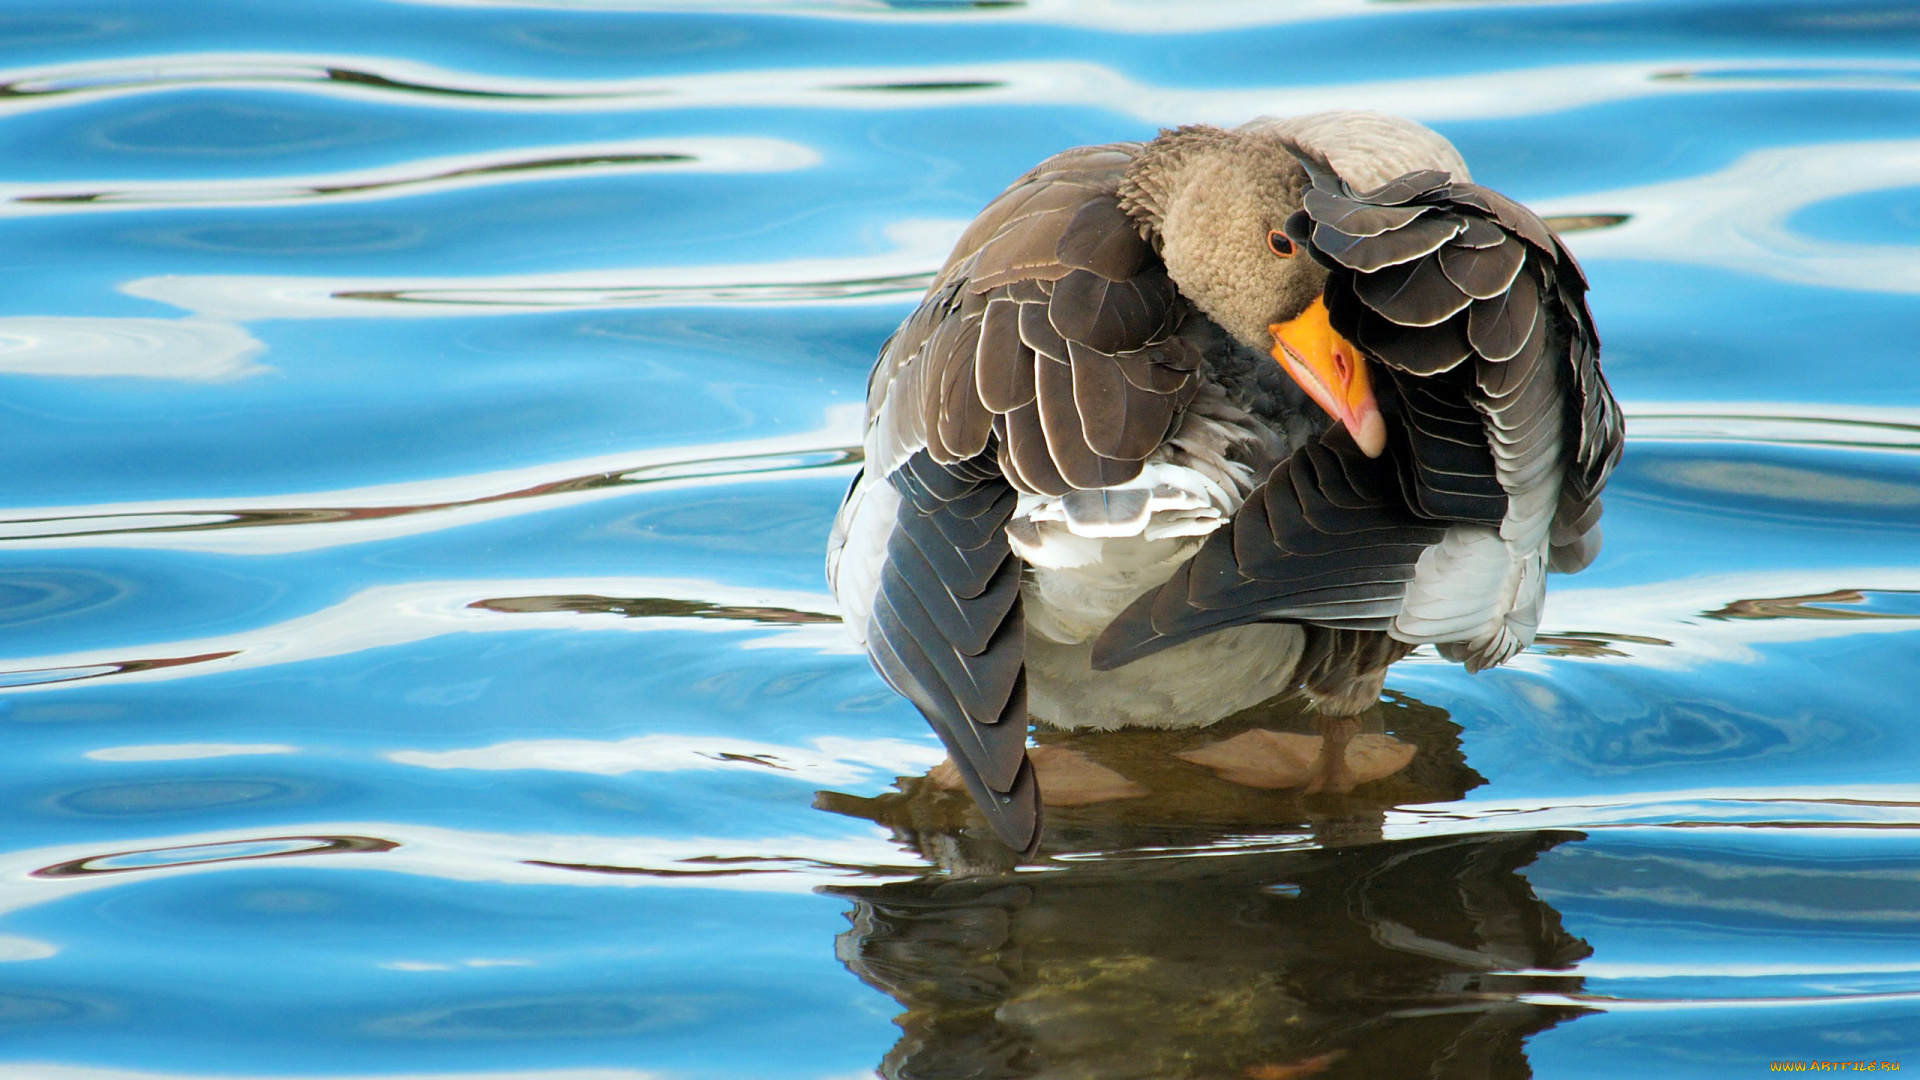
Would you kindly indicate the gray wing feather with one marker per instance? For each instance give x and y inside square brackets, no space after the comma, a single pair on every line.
[1515,316]
[948,633]
[1045,358]
[1477,315]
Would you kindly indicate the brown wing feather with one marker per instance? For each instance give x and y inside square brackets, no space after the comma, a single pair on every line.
[1060,415]
[955,421]
[1043,359]
[1003,365]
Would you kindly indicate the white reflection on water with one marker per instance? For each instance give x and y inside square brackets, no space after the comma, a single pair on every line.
[1737,970]
[697,154]
[401,614]
[796,863]
[186,751]
[303,521]
[894,276]
[190,350]
[1114,16]
[1736,219]
[471,962]
[1856,426]
[1667,616]
[830,760]
[1530,91]
[15,948]
[57,526]
[1612,1004]
[1833,809]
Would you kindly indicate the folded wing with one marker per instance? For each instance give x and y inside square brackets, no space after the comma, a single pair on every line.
[1047,357]
[1502,433]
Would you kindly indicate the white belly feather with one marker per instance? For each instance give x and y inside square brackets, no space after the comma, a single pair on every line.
[857,549]
[1092,553]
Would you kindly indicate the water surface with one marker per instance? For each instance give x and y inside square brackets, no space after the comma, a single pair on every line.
[422,424]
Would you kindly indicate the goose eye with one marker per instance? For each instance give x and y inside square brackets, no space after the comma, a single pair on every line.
[1278,243]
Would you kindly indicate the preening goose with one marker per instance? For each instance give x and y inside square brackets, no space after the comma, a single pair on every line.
[1185,424]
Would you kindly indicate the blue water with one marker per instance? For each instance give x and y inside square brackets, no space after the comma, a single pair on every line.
[422,422]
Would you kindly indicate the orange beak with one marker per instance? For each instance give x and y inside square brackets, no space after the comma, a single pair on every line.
[1333,373]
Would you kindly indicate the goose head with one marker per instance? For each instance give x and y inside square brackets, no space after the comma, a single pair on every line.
[1215,203]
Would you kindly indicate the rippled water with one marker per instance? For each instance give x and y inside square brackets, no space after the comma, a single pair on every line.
[422,423]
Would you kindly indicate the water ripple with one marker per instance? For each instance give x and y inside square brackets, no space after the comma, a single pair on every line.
[163,72]
[1734,636]
[1858,604]
[1851,427]
[1607,1003]
[894,287]
[1837,809]
[74,347]
[829,760]
[897,276]
[389,615]
[271,847]
[1529,91]
[799,863]
[297,523]
[705,154]
[1111,16]
[26,678]
[1736,218]
[653,607]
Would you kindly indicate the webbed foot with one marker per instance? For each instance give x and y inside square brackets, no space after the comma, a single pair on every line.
[1333,774]
[1333,762]
[1067,778]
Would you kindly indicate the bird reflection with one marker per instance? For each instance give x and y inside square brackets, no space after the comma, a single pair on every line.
[1378,960]
[1207,930]
[1122,791]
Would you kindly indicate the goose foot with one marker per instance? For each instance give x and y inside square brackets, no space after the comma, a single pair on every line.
[1332,762]
[1333,774]
[1067,778]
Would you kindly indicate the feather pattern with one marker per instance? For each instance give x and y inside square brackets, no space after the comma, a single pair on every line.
[1046,360]
[1501,433]
[1079,455]
[954,644]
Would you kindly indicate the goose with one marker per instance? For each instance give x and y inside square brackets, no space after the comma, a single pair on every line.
[1185,424]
